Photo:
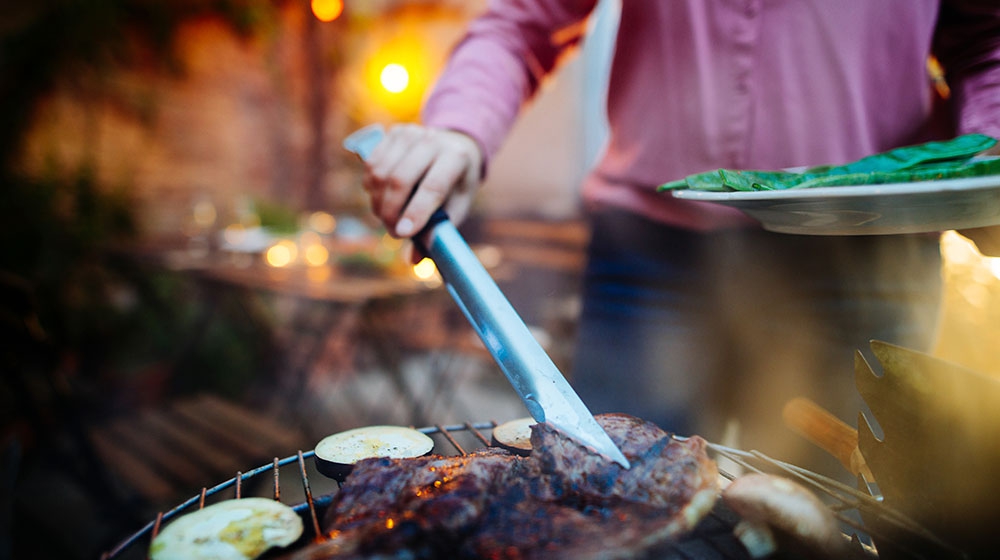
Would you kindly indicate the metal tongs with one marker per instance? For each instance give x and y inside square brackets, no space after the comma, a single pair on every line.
[536,379]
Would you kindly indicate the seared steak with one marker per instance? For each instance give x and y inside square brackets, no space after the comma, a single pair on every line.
[563,501]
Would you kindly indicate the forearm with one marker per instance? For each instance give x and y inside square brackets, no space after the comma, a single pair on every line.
[499,64]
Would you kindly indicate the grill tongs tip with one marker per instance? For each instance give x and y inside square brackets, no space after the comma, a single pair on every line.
[536,379]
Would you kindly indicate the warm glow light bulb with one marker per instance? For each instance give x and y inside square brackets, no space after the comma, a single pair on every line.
[327,10]
[394,77]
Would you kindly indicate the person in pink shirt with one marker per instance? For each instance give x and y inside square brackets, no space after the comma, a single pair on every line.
[692,314]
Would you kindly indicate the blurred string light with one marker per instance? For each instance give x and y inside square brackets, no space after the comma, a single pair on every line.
[327,10]
[281,254]
[314,253]
[425,269]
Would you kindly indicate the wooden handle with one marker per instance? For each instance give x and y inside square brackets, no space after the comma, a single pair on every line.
[830,433]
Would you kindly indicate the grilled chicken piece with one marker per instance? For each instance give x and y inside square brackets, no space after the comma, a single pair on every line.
[561,502]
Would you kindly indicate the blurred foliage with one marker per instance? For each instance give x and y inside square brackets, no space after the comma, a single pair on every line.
[56,305]
[277,217]
[49,42]
[80,320]
[76,316]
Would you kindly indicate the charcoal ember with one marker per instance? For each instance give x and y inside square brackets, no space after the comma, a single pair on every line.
[563,501]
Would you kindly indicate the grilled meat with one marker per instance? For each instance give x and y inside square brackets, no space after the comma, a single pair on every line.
[572,503]
[563,501]
[424,506]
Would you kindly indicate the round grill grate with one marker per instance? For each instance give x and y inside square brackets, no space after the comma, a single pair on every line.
[309,493]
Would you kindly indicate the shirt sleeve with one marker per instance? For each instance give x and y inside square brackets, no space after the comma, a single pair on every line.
[968,46]
[499,64]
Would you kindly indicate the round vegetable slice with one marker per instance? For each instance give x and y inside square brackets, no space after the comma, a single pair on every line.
[231,530]
[514,436]
[337,454]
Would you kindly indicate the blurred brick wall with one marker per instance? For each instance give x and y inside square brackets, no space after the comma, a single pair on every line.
[233,121]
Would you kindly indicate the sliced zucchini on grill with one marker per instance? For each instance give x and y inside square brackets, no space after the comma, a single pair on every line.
[514,436]
[231,530]
[337,454]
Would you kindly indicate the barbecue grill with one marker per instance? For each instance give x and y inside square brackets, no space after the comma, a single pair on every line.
[713,538]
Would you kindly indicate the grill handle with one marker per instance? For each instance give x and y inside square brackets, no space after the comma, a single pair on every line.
[825,430]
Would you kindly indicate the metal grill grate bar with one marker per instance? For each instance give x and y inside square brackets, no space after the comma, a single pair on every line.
[905,529]
[844,498]
[309,495]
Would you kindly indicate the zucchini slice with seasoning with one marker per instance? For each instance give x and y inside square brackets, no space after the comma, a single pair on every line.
[514,436]
[240,529]
[337,454]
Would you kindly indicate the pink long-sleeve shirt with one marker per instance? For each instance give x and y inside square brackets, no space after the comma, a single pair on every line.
[702,84]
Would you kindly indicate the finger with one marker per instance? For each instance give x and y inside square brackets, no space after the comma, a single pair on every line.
[445,172]
[457,207]
[387,155]
[375,199]
[460,200]
[405,178]
[386,189]
[394,145]
[412,254]
[378,165]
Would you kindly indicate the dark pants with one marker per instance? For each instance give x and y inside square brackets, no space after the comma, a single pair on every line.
[694,330]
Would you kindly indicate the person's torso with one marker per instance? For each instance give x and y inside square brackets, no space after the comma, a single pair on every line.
[765,84]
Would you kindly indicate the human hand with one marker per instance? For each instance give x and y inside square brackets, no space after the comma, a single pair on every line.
[415,170]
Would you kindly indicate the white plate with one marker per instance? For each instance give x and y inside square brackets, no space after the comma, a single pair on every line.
[924,206]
